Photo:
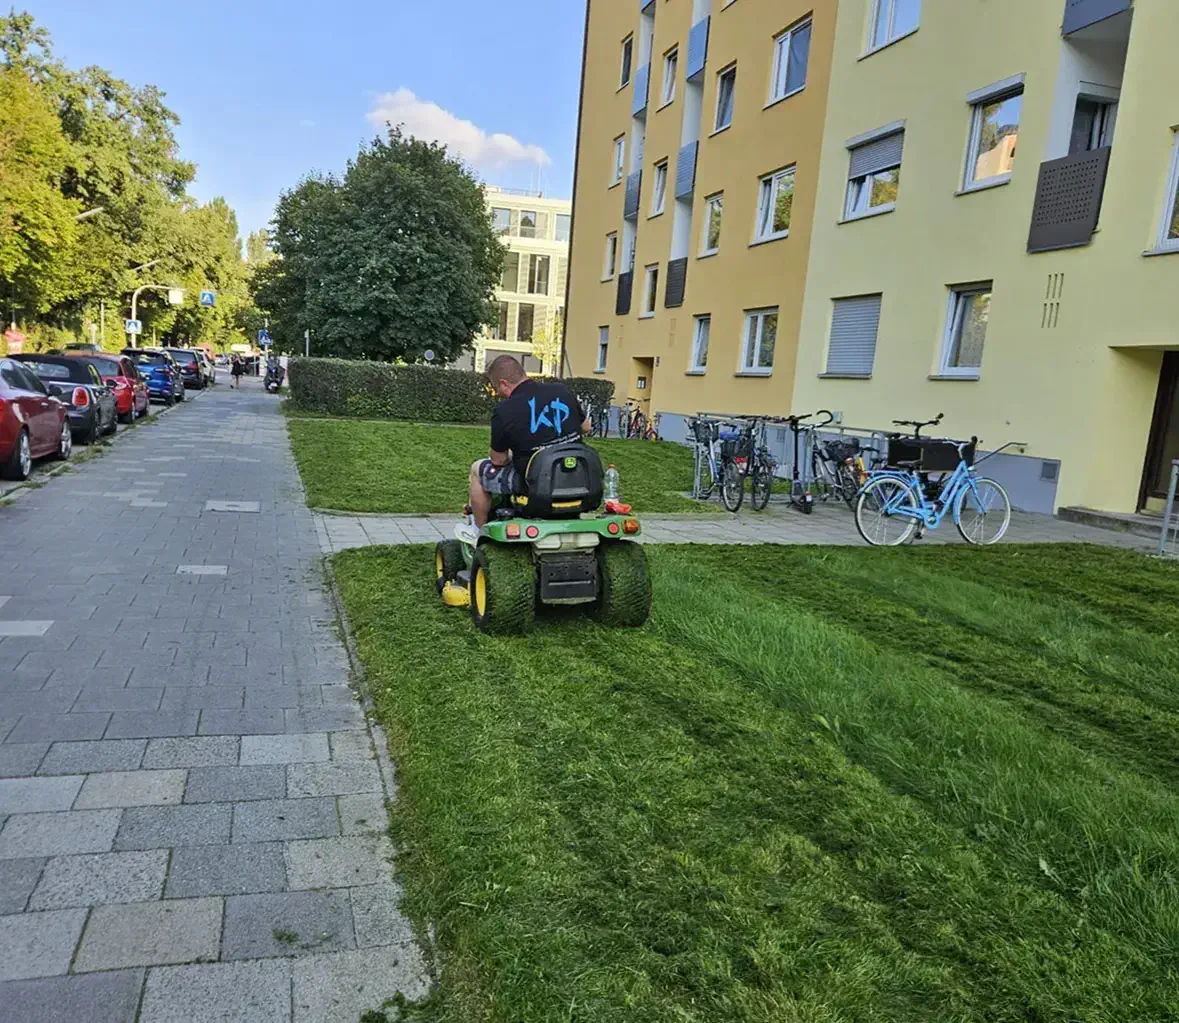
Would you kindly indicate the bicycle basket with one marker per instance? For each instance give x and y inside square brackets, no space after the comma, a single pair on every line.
[703,431]
[842,450]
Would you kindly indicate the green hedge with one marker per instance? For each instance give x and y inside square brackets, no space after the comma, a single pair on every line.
[419,394]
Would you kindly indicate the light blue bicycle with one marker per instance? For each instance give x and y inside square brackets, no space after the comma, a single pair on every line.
[902,500]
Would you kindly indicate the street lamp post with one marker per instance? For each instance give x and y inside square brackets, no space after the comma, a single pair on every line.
[135,302]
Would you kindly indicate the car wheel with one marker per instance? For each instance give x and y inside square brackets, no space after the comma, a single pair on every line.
[91,435]
[65,442]
[20,462]
[113,427]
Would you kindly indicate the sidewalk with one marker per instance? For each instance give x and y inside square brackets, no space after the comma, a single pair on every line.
[192,820]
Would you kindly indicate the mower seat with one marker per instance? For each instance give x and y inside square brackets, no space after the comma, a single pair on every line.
[561,482]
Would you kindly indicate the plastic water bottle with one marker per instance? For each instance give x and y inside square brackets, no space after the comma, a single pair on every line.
[613,488]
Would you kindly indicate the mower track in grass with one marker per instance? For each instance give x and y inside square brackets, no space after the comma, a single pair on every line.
[765,806]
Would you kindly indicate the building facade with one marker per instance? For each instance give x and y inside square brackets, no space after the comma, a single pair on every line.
[697,169]
[530,299]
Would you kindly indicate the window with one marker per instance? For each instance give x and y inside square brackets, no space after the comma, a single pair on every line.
[775,200]
[855,322]
[993,134]
[501,219]
[1093,124]
[892,19]
[714,209]
[726,86]
[538,275]
[966,330]
[500,331]
[700,344]
[603,348]
[528,224]
[524,321]
[874,175]
[510,278]
[619,159]
[671,61]
[761,331]
[564,220]
[628,46]
[610,266]
[1169,232]
[650,289]
[792,51]
[659,192]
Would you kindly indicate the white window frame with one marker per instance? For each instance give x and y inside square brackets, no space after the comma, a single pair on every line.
[1170,202]
[711,203]
[701,326]
[955,311]
[780,72]
[671,62]
[610,257]
[720,77]
[603,349]
[890,35]
[751,352]
[626,74]
[618,170]
[857,188]
[659,189]
[650,291]
[977,103]
[767,192]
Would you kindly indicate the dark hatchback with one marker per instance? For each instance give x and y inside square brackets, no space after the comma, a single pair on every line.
[189,365]
[90,404]
[157,368]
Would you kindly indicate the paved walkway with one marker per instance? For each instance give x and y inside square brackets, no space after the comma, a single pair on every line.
[779,524]
[192,817]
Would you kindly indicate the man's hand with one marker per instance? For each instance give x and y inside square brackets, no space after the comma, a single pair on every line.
[586,426]
[499,458]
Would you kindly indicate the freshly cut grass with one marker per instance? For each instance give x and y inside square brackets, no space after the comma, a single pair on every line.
[409,468]
[822,784]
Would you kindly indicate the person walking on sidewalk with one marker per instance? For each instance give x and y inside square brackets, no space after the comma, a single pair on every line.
[237,369]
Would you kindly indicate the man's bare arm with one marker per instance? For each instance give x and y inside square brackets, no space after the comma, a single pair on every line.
[586,426]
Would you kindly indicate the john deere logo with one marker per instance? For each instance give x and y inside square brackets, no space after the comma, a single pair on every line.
[570,463]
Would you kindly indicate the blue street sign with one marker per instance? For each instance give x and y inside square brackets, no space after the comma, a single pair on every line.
[264,342]
[133,326]
[264,337]
[208,298]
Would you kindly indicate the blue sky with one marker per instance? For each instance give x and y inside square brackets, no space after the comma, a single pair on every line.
[268,91]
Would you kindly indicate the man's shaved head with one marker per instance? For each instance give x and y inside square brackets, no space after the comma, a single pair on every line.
[505,368]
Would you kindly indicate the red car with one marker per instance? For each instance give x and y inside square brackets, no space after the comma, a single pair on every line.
[32,423]
[119,373]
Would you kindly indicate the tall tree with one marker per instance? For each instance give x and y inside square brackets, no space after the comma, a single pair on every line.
[258,248]
[394,258]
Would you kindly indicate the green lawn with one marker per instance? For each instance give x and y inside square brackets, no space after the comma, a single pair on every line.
[821,785]
[404,468]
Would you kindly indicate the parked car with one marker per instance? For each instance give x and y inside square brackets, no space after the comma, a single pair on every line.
[33,424]
[189,365]
[89,401]
[207,369]
[120,374]
[159,371]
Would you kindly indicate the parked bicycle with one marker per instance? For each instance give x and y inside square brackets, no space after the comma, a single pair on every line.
[837,467]
[717,468]
[752,460]
[598,416]
[632,424]
[905,498]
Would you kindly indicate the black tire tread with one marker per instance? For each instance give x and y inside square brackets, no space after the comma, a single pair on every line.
[511,588]
[453,561]
[624,579]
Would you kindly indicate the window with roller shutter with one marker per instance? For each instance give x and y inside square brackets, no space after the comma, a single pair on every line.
[874,174]
[855,323]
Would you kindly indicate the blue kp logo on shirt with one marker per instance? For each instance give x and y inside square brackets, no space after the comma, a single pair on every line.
[558,409]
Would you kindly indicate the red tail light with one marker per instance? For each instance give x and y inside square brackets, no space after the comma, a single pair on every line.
[81,397]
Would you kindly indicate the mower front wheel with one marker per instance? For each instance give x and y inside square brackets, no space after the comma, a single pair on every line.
[624,596]
[503,589]
[448,562]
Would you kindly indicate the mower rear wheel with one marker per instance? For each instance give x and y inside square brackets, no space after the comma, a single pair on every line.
[503,589]
[624,596]
[448,562]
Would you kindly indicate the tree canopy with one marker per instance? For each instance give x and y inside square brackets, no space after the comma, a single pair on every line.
[394,258]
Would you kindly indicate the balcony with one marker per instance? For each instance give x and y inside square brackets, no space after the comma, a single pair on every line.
[625,286]
[1079,14]
[677,281]
[697,50]
[642,85]
[685,171]
[1068,201]
[634,188]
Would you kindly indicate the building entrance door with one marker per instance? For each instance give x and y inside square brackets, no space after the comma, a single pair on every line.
[1164,432]
[642,378]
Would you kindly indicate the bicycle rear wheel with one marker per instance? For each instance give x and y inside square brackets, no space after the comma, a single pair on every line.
[876,512]
[732,487]
[982,512]
[847,484]
[762,485]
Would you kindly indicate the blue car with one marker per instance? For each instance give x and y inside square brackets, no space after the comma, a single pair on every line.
[164,382]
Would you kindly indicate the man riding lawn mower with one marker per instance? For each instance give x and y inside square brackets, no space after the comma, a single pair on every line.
[533,534]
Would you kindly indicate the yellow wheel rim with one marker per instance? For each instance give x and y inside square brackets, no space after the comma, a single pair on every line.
[438,564]
[481,592]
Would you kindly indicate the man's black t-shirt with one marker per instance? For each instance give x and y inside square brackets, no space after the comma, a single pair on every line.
[535,416]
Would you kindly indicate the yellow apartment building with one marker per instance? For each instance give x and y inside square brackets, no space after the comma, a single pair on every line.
[996,237]
[530,299]
[697,170]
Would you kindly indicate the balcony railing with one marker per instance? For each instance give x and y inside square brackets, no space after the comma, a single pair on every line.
[697,50]
[642,87]
[677,281]
[1079,14]
[1068,201]
[634,188]
[625,286]
[685,171]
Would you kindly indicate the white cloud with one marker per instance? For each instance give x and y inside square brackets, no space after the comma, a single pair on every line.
[428,121]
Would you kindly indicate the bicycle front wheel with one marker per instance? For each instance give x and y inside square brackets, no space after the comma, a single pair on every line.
[761,486]
[880,512]
[732,487]
[982,512]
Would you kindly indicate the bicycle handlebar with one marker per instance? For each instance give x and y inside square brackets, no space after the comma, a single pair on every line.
[918,427]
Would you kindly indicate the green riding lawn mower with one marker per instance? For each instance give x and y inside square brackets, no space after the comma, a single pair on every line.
[550,547]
